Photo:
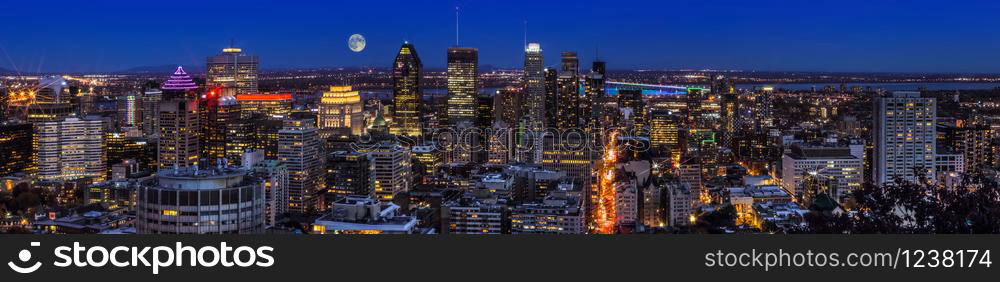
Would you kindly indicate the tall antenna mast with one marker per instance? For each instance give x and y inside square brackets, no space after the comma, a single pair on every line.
[526,34]
[456,26]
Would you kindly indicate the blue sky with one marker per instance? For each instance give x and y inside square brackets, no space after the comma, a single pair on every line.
[814,35]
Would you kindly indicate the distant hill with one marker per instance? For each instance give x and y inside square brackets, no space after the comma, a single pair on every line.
[162,69]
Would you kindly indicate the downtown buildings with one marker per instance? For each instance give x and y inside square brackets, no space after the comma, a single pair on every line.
[340,113]
[407,95]
[192,201]
[463,85]
[71,149]
[15,147]
[179,133]
[832,170]
[300,149]
[905,137]
[232,70]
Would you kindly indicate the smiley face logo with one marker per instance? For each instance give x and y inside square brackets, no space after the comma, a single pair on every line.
[25,256]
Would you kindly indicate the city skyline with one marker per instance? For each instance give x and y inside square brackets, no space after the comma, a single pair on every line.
[552,148]
[763,36]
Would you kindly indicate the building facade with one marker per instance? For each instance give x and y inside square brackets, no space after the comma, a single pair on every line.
[904,136]
[72,149]
[192,201]
[406,95]
[463,84]
[232,70]
[341,112]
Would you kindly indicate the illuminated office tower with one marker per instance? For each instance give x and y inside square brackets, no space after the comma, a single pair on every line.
[729,111]
[274,174]
[179,133]
[568,101]
[217,114]
[300,148]
[71,149]
[232,70]
[593,94]
[263,133]
[507,105]
[133,150]
[206,201]
[407,95]
[391,169]
[340,112]
[663,129]
[905,137]
[349,174]
[235,131]
[150,102]
[973,142]
[633,107]
[426,159]
[463,84]
[269,105]
[755,146]
[15,147]
[534,85]
[694,112]
[551,96]
[573,154]
[129,110]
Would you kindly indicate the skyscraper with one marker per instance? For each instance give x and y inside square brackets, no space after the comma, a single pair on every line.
[221,128]
[594,91]
[391,169]
[71,149]
[728,112]
[551,96]
[349,174]
[234,71]
[663,135]
[534,85]
[507,106]
[179,133]
[300,148]
[904,136]
[463,84]
[15,147]
[150,102]
[340,112]
[568,103]
[275,177]
[407,95]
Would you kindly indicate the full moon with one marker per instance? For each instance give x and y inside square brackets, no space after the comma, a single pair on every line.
[356,43]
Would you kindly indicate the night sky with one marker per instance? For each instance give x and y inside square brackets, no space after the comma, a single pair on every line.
[814,35]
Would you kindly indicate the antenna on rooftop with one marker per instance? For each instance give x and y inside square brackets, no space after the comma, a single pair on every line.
[456,26]
[525,33]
